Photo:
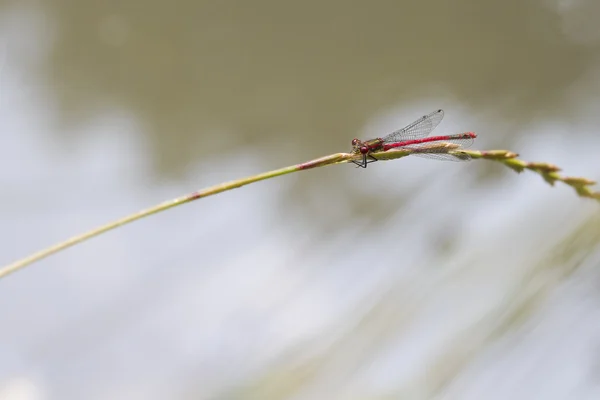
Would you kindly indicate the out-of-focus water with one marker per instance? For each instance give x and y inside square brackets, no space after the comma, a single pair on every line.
[410,279]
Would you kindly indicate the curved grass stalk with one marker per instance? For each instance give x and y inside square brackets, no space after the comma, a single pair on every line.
[548,171]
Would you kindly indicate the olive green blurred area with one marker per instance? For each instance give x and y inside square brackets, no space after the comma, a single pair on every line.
[212,75]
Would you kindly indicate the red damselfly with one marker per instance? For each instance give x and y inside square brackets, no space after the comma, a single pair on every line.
[413,137]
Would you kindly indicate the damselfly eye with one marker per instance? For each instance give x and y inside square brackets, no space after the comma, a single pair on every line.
[354,142]
[364,150]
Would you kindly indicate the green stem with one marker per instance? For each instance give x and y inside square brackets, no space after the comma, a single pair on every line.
[17,265]
[548,171]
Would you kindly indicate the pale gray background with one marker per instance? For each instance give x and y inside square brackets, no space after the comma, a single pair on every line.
[411,279]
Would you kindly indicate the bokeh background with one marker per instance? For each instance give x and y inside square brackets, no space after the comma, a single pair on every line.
[412,279]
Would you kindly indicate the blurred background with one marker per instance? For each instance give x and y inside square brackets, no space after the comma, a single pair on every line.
[412,279]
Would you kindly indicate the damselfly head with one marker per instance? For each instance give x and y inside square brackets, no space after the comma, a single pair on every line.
[357,146]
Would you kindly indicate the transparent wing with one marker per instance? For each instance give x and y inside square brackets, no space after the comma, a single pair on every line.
[444,156]
[416,130]
[441,150]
